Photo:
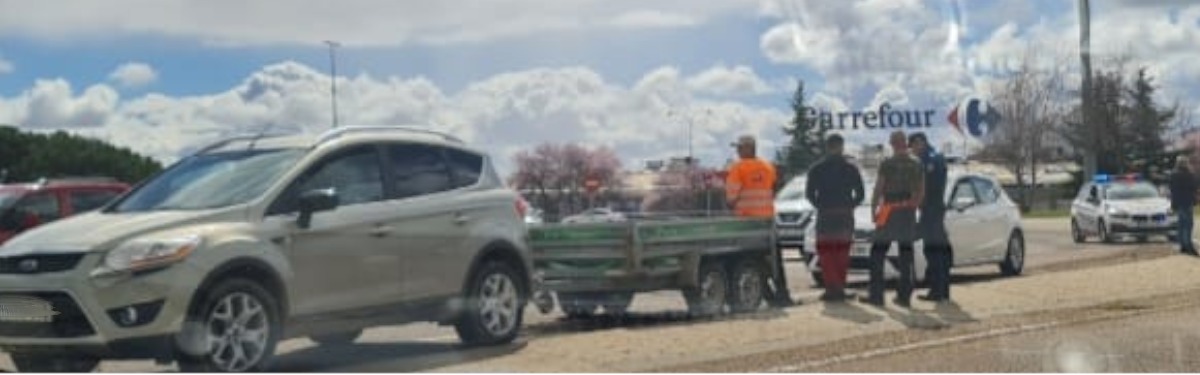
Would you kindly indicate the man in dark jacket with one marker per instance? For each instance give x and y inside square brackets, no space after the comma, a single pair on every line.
[1183,199]
[932,225]
[835,188]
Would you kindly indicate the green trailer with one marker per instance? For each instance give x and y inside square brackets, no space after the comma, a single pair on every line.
[720,264]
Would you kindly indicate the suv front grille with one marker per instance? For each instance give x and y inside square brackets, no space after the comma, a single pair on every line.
[41,263]
[68,320]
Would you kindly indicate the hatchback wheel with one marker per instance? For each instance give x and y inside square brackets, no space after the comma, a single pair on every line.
[240,327]
[1014,259]
[1076,233]
[495,306]
[1104,235]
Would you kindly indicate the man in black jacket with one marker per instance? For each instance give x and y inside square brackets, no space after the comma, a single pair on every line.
[939,255]
[835,188]
[1183,199]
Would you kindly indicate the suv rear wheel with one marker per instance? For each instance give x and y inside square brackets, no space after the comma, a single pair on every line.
[495,301]
[240,327]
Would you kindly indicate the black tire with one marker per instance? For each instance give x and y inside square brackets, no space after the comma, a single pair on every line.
[1077,233]
[711,293]
[496,294]
[1143,239]
[28,362]
[336,339]
[226,295]
[1014,256]
[578,305]
[747,285]
[1105,236]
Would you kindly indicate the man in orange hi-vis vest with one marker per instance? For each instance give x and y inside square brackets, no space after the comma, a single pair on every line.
[750,186]
[750,190]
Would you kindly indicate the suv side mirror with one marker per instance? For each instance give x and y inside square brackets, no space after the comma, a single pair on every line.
[314,201]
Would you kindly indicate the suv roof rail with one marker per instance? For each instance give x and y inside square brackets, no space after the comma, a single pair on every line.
[338,132]
[58,180]
[226,141]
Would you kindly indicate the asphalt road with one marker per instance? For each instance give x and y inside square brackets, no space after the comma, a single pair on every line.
[1153,342]
[426,346]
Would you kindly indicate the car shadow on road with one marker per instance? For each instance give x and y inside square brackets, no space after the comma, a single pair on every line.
[643,321]
[387,357]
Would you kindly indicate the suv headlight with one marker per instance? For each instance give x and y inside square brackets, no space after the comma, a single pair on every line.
[143,254]
[1116,211]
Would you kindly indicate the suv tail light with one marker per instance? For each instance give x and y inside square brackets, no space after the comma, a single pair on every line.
[522,207]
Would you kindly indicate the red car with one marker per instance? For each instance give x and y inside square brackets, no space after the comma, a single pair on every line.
[25,206]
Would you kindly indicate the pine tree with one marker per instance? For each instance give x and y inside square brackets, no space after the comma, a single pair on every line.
[1146,127]
[805,139]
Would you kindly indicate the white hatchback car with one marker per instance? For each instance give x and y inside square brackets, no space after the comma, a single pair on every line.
[1109,207]
[983,223]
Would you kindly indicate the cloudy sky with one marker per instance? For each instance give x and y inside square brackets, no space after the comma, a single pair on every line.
[164,76]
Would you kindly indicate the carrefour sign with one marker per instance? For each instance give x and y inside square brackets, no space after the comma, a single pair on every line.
[884,117]
[972,117]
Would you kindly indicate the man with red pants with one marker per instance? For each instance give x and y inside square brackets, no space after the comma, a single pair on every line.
[835,187]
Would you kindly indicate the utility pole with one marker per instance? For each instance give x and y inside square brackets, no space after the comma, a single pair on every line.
[1085,58]
[333,45]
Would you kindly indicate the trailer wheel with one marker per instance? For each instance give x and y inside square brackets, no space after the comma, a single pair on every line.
[578,305]
[709,296]
[748,284]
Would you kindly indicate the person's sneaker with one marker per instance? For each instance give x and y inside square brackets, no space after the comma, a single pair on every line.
[902,302]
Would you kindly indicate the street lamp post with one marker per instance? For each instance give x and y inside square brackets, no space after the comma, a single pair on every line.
[1085,58]
[333,45]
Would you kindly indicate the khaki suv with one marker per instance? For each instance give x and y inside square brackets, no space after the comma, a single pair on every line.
[257,239]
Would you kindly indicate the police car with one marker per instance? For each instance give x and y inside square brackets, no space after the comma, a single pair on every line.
[1114,206]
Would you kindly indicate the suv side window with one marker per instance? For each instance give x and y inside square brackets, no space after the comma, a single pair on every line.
[355,175]
[45,205]
[87,200]
[418,170]
[465,167]
[1094,194]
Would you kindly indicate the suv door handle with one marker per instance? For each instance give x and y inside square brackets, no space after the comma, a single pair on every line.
[461,219]
[381,231]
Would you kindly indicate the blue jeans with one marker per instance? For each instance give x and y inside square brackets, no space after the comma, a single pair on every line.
[1186,225]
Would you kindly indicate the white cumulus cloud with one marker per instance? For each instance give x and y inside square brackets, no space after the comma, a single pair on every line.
[724,80]
[134,74]
[500,114]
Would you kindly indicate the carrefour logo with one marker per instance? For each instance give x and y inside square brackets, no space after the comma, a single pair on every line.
[977,116]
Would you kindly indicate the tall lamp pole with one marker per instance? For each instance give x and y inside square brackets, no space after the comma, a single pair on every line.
[1085,58]
[333,45]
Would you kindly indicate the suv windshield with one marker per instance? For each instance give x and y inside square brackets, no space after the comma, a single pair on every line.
[212,180]
[1121,192]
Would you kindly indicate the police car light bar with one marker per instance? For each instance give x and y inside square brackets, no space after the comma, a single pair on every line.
[1130,177]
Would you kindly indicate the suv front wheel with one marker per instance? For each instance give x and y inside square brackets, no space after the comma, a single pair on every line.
[240,325]
[495,301]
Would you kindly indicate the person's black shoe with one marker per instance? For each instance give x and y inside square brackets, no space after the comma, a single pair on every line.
[877,302]
[931,298]
[902,303]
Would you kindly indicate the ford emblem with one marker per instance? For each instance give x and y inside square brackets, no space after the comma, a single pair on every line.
[28,265]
